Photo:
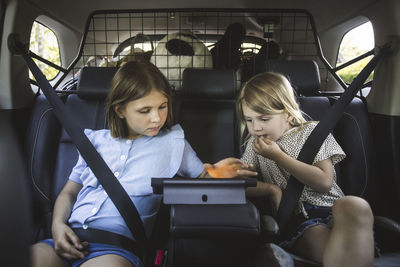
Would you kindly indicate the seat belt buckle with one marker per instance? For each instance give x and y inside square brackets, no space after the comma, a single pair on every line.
[159,259]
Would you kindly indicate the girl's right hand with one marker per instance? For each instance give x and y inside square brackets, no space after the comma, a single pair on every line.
[266,147]
[67,243]
[230,168]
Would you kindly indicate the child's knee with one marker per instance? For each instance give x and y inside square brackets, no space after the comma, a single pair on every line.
[354,209]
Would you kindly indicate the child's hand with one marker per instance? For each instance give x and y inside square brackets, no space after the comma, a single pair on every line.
[266,147]
[229,168]
[66,243]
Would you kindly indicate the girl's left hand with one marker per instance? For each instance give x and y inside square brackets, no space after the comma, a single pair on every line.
[230,168]
[266,147]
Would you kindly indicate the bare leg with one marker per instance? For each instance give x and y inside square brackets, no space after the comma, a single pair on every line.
[313,242]
[43,255]
[351,242]
[107,260]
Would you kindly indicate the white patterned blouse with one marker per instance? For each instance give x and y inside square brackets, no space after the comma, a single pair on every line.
[291,143]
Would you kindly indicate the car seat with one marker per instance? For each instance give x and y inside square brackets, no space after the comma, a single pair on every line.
[49,150]
[205,108]
[216,234]
[51,156]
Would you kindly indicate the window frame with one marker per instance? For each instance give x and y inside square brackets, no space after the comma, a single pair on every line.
[356,59]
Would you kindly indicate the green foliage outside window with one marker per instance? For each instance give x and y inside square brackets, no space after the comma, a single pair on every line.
[356,42]
[43,42]
[349,73]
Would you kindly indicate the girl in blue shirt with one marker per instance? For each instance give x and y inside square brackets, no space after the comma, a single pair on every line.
[140,144]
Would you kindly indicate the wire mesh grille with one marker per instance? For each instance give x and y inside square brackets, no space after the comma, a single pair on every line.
[177,39]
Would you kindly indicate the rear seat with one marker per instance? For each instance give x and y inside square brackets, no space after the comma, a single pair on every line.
[357,172]
[88,109]
[51,155]
[213,132]
[41,148]
[50,152]
[211,235]
[205,108]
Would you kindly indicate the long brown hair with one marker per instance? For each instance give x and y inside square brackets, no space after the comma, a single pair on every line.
[134,80]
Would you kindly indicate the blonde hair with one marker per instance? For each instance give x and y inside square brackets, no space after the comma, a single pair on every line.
[270,93]
[132,81]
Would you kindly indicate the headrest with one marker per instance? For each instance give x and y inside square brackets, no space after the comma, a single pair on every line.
[209,83]
[302,74]
[95,82]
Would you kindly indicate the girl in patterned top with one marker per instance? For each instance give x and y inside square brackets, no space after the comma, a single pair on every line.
[331,228]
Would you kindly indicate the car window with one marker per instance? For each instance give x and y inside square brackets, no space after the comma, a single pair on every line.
[44,43]
[355,43]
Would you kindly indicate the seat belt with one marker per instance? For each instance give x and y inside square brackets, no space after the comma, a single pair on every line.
[294,188]
[89,153]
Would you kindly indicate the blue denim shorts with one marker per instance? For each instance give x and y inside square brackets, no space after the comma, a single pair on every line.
[318,215]
[96,249]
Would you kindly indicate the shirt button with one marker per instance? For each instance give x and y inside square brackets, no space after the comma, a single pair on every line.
[116,174]
[123,157]
[128,142]
[85,226]
[94,210]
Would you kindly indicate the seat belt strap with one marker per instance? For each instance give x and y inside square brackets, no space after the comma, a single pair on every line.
[93,159]
[294,188]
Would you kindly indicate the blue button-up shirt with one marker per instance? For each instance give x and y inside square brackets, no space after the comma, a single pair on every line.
[134,163]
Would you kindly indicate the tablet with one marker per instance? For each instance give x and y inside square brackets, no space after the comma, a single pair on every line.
[202,191]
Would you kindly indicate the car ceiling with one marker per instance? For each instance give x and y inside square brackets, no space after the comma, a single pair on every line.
[326,13]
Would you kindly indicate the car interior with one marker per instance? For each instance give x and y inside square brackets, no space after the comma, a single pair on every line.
[207,51]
